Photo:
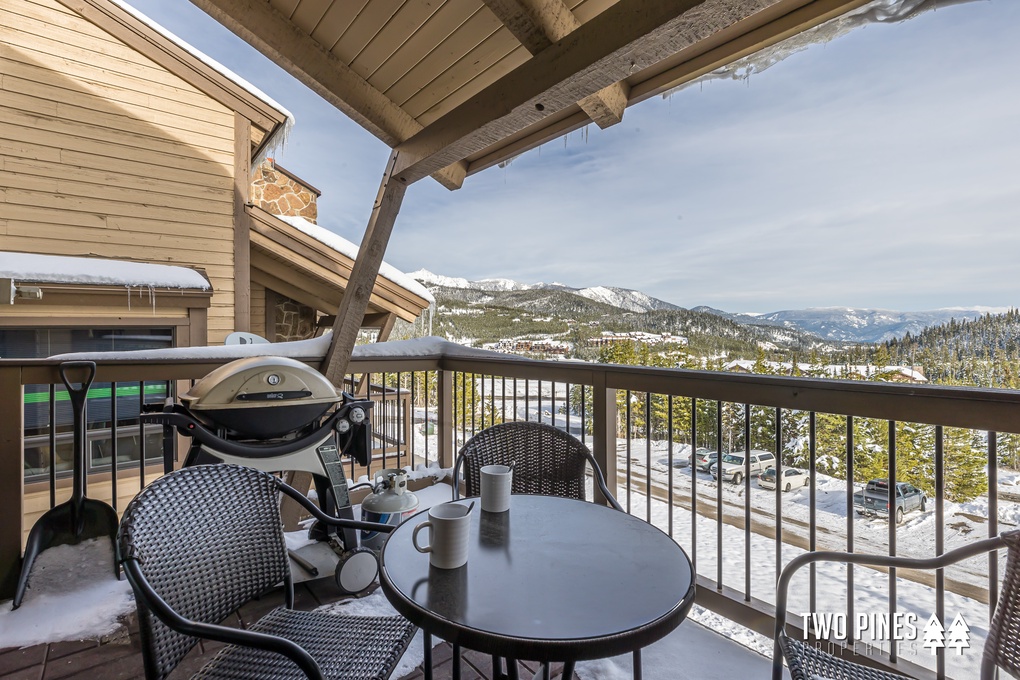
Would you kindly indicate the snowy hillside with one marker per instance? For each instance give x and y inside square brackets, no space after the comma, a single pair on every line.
[624,298]
[631,300]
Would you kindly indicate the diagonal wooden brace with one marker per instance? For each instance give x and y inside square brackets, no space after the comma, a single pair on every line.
[366,267]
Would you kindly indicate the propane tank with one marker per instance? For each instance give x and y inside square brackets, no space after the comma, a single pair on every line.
[389,503]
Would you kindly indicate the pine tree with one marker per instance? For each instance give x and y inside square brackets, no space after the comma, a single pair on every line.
[958,635]
[934,635]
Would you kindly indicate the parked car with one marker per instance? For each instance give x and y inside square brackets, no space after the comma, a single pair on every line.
[704,459]
[733,466]
[873,499]
[793,478]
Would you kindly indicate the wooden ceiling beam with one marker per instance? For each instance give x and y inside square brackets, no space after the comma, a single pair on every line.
[772,25]
[537,24]
[626,38]
[521,23]
[265,28]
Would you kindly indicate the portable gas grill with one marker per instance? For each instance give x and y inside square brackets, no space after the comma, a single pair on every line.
[275,413]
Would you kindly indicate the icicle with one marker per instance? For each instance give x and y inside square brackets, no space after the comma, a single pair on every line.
[129,297]
[152,299]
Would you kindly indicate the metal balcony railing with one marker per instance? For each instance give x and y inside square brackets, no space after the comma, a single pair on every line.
[639,422]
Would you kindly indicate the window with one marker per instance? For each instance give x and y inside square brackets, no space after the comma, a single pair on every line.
[102,402]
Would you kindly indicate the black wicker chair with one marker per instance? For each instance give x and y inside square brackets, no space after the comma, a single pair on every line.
[198,543]
[546,461]
[1002,647]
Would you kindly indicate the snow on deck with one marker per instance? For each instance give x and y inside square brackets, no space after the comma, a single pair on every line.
[74,595]
[430,347]
[27,267]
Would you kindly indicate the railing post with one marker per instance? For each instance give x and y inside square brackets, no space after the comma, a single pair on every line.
[604,425]
[445,416]
[12,477]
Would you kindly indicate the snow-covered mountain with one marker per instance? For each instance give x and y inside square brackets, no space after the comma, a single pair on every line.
[624,298]
[865,325]
[841,324]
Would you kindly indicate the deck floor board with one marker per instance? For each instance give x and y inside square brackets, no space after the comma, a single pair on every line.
[119,656]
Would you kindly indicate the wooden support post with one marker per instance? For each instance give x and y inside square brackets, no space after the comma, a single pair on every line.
[445,417]
[242,224]
[12,478]
[604,416]
[366,268]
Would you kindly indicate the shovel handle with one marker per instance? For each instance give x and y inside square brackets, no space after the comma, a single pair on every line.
[78,397]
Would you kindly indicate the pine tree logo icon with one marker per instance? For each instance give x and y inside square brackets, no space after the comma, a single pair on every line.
[934,635]
[958,635]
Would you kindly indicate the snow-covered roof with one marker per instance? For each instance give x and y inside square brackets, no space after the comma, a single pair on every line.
[27,267]
[345,247]
[279,135]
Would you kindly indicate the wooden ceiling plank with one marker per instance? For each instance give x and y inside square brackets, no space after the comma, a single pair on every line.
[309,13]
[484,64]
[364,29]
[450,14]
[586,10]
[335,21]
[630,36]
[466,37]
[283,42]
[405,23]
[272,34]
[285,7]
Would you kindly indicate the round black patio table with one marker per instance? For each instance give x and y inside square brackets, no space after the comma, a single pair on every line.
[552,579]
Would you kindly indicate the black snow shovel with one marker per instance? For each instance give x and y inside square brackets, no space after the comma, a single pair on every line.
[80,518]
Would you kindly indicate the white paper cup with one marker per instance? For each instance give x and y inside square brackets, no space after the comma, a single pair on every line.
[496,483]
[448,526]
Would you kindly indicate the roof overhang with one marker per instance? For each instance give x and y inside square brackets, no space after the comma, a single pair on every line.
[456,86]
[269,120]
[293,263]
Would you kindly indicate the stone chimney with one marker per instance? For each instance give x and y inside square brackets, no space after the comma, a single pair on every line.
[279,192]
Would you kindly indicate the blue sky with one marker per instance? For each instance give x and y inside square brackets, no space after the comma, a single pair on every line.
[878,170]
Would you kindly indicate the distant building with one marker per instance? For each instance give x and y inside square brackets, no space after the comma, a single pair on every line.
[610,338]
[904,374]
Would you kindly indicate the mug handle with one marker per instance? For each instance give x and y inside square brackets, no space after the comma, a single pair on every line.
[414,537]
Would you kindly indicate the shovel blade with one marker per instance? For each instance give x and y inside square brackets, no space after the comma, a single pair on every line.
[65,524]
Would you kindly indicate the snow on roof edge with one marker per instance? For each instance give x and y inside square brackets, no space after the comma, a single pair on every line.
[279,136]
[345,247]
[35,268]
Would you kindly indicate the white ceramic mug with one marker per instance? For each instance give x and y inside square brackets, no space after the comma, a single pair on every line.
[497,481]
[448,526]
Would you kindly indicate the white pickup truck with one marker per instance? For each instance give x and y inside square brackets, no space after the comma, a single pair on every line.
[733,466]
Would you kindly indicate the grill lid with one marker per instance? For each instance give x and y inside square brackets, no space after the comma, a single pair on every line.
[260,382]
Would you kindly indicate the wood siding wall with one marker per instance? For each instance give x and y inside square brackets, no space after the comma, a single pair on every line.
[258,309]
[103,152]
